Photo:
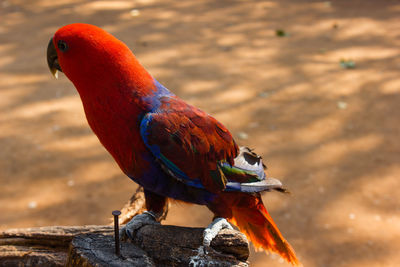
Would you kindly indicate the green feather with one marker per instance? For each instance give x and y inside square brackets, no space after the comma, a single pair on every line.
[240,175]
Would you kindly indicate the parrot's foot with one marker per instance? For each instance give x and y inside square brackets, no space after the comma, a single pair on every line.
[213,229]
[147,217]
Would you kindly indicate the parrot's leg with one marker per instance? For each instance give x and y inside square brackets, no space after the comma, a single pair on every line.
[157,204]
[156,211]
[127,232]
[213,229]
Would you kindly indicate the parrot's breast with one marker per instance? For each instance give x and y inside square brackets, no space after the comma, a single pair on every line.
[116,124]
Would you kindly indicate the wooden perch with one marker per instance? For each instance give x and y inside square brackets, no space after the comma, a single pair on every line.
[171,245]
[93,245]
[42,246]
[156,245]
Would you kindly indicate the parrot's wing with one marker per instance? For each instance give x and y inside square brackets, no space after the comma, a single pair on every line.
[193,147]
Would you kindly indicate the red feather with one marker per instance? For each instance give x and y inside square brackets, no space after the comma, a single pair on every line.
[191,139]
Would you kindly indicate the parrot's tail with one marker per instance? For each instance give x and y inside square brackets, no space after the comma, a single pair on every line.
[252,218]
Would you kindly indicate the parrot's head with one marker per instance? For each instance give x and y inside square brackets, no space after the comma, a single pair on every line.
[88,55]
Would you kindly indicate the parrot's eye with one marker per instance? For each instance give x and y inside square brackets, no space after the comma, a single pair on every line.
[62,46]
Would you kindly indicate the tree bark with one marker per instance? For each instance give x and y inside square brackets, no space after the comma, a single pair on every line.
[42,246]
[93,245]
[154,245]
[179,246]
[91,250]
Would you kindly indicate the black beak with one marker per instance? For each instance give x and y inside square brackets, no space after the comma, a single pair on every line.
[52,59]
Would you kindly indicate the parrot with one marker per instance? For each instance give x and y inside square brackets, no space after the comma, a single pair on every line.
[172,149]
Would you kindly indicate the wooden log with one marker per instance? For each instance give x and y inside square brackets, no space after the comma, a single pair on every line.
[90,250]
[162,245]
[157,245]
[31,256]
[184,242]
[49,236]
[42,246]
[93,245]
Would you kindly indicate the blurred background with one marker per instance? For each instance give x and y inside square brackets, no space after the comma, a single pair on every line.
[313,86]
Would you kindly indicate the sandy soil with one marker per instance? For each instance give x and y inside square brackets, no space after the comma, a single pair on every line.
[330,134]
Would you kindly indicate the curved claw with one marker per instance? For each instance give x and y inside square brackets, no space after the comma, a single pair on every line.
[213,229]
[128,231]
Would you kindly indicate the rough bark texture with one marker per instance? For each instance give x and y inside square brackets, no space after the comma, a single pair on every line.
[93,245]
[43,246]
[31,256]
[179,246]
[98,250]
[154,245]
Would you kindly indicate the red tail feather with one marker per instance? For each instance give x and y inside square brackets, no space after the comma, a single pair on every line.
[253,220]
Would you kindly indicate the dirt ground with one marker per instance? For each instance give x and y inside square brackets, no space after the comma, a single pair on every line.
[331,134]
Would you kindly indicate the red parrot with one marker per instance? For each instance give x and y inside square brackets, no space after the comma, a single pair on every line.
[172,149]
